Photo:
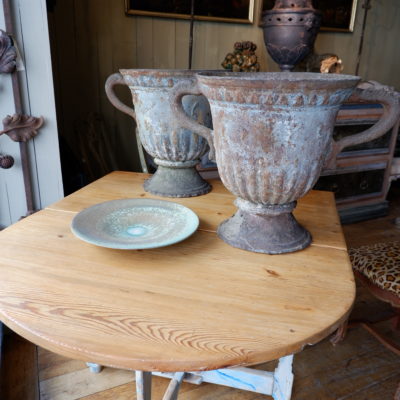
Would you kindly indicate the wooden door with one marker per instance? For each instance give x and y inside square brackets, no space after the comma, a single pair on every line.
[29,21]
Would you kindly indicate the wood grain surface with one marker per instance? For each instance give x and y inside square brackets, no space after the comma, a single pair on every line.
[316,211]
[200,304]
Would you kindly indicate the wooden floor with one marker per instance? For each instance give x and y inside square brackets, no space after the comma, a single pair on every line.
[359,368]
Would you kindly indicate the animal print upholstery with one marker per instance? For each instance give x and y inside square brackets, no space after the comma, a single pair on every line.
[380,263]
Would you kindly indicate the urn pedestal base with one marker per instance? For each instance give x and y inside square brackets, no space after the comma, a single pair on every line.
[176,179]
[268,229]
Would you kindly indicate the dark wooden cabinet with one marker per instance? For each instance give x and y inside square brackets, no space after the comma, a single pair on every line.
[361,179]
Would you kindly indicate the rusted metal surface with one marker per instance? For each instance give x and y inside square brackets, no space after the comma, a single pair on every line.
[6,161]
[8,54]
[290,29]
[23,147]
[272,134]
[21,128]
[176,150]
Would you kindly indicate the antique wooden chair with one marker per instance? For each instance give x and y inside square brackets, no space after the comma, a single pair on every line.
[377,267]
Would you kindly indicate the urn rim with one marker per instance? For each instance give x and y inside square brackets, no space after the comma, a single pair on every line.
[277,80]
[163,73]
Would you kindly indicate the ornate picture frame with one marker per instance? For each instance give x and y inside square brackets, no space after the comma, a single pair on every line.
[238,11]
[337,15]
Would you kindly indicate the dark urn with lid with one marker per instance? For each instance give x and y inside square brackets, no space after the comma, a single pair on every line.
[290,29]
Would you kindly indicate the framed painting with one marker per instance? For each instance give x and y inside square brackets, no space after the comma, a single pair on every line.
[238,11]
[337,15]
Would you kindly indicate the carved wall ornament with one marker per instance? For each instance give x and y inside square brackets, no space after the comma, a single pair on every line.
[21,128]
[8,54]
[6,161]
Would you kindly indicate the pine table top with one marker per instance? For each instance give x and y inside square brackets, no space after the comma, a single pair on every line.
[197,305]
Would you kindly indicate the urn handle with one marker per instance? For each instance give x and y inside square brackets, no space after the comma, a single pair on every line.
[183,120]
[114,80]
[375,93]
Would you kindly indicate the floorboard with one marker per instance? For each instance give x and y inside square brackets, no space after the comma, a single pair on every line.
[19,369]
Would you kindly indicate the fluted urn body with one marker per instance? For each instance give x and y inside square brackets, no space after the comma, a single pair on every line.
[175,150]
[272,136]
[272,133]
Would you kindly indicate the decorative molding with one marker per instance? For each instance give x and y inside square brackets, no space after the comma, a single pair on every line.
[8,54]
[300,96]
[286,55]
[21,128]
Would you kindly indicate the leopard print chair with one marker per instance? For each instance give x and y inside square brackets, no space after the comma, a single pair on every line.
[377,267]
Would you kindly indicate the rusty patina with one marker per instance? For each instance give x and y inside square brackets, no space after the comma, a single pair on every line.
[176,150]
[272,136]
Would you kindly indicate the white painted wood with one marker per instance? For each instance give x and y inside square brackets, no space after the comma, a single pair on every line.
[248,379]
[30,21]
[38,96]
[143,385]
[173,388]
[94,368]
[277,384]
[283,379]
[190,377]
[12,193]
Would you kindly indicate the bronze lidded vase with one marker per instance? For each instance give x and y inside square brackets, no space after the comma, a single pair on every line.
[272,136]
[290,29]
[175,150]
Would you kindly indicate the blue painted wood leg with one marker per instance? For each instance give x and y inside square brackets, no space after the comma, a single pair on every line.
[174,386]
[94,368]
[283,379]
[277,384]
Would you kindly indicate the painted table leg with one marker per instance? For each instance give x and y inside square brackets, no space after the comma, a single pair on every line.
[143,385]
[173,387]
[283,379]
[277,384]
[95,368]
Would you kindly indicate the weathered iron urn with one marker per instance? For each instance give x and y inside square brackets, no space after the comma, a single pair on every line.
[176,150]
[272,136]
[290,29]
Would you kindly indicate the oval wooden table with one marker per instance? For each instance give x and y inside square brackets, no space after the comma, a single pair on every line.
[198,305]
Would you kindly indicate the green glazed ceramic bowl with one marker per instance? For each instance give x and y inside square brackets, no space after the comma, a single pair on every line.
[135,224]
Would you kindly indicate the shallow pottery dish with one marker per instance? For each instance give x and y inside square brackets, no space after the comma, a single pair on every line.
[135,224]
